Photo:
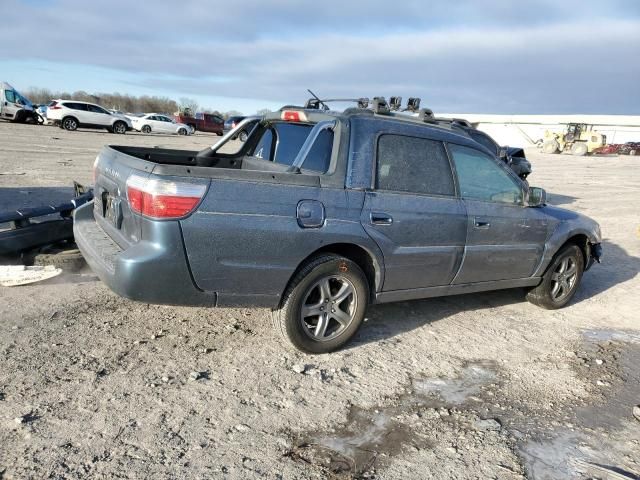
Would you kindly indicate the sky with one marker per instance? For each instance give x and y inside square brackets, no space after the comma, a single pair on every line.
[459,56]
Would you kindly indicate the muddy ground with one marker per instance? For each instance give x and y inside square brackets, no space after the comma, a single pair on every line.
[474,386]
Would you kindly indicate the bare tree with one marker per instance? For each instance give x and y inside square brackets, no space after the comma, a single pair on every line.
[188,104]
[263,111]
[117,101]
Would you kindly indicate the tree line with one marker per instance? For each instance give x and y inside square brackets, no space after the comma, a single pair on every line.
[123,102]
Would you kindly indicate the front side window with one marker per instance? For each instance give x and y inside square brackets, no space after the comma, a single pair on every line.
[413,165]
[97,109]
[485,141]
[481,178]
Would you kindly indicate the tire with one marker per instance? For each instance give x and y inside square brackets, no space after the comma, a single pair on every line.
[242,136]
[183,131]
[67,260]
[551,146]
[193,127]
[145,129]
[119,128]
[70,124]
[547,295]
[219,134]
[633,152]
[326,277]
[579,149]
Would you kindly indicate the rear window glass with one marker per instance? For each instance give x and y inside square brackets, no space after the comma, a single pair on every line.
[413,165]
[290,136]
[319,157]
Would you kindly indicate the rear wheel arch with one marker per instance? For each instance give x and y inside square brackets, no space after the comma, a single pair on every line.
[365,259]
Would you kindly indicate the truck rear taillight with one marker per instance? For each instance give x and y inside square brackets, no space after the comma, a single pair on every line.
[161,199]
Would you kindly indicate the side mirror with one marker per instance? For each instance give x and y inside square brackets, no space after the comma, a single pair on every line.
[537,197]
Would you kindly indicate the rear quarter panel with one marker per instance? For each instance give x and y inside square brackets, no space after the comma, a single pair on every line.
[244,241]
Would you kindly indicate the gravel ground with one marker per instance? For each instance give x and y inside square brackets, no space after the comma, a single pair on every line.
[473,386]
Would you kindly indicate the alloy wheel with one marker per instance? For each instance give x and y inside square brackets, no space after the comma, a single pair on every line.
[564,278]
[329,308]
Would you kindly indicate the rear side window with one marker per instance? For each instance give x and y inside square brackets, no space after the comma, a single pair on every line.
[76,106]
[414,165]
[481,178]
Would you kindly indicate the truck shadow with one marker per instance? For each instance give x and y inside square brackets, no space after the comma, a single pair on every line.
[389,320]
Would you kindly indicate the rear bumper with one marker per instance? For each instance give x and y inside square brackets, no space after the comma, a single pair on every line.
[147,272]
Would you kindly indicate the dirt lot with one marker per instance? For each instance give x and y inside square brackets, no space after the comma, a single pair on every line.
[474,386]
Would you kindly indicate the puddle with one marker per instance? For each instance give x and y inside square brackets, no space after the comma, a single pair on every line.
[387,431]
[457,391]
[611,335]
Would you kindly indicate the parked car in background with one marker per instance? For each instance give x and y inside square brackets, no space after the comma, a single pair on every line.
[13,106]
[630,148]
[319,214]
[158,123]
[230,123]
[72,114]
[202,122]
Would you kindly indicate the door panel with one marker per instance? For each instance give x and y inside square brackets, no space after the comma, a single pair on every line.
[421,237]
[505,239]
[503,242]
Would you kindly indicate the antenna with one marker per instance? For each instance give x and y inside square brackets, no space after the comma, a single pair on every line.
[320,102]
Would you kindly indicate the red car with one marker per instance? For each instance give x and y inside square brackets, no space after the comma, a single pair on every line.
[203,122]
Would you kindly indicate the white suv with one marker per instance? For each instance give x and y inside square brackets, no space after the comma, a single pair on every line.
[71,114]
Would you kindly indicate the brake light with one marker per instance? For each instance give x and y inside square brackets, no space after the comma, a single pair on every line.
[293,116]
[159,198]
[54,106]
[233,124]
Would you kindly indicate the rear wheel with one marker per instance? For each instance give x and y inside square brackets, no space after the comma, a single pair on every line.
[324,305]
[243,136]
[120,128]
[579,149]
[70,124]
[146,129]
[561,280]
[550,146]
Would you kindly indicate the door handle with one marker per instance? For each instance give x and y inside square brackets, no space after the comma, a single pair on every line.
[481,223]
[381,219]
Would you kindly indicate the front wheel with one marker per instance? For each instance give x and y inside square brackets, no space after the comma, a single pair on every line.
[579,149]
[120,128]
[182,131]
[561,280]
[145,129]
[70,124]
[243,136]
[324,305]
[551,146]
